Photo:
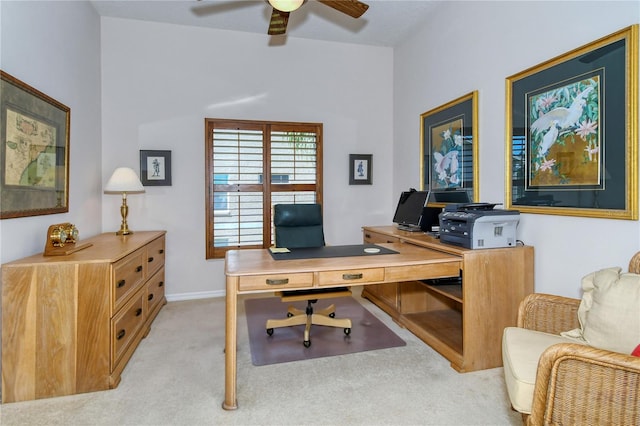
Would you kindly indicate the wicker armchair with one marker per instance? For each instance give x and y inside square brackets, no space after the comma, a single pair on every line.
[577,384]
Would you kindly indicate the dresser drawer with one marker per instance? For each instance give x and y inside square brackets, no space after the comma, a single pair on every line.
[275,282]
[155,291]
[125,325]
[155,256]
[351,276]
[127,277]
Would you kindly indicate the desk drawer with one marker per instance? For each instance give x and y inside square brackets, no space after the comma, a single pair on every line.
[275,282]
[436,270]
[374,238]
[351,276]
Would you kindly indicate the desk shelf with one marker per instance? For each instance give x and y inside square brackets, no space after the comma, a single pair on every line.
[452,291]
[464,323]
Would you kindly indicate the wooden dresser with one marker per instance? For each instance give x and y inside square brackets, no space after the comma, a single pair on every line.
[462,321]
[71,323]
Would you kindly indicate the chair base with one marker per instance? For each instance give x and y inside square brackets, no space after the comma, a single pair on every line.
[308,317]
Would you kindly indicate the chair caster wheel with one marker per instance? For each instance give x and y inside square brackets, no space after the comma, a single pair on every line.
[306,343]
[347,331]
[270,331]
[332,315]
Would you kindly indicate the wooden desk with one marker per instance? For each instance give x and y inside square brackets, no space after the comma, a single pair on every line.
[462,321]
[255,271]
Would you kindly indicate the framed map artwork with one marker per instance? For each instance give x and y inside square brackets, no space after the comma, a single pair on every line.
[34,152]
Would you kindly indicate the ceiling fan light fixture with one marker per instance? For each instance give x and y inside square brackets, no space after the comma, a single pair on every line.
[286,5]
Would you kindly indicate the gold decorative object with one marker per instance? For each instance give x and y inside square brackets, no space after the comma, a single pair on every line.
[61,240]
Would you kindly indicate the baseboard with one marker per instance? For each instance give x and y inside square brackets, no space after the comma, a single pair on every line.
[195,295]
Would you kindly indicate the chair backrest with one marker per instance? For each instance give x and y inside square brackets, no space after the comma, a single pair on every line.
[298,225]
[634,264]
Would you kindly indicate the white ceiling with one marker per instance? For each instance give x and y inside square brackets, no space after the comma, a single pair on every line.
[385,23]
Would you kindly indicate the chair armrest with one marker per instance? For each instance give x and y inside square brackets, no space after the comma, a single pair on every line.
[548,313]
[578,384]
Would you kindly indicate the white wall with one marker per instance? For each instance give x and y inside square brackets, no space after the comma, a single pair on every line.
[476,45]
[55,48]
[160,81]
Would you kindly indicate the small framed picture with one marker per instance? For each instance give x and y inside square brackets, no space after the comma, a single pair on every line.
[360,169]
[155,168]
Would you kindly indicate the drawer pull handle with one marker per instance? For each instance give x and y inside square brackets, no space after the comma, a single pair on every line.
[351,276]
[150,297]
[139,268]
[161,284]
[138,312]
[121,283]
[278,282]
[150,259]
[367,235]
[161,251]
[120,334]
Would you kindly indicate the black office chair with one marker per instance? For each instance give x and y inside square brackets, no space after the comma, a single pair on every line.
[299,226]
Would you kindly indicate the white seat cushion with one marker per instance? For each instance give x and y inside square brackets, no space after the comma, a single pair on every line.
[521,350]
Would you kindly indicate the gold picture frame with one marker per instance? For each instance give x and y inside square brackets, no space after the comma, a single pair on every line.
[34,153]
[572,132]
[449,150]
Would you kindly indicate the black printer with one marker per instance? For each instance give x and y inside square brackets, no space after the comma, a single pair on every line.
[478,225]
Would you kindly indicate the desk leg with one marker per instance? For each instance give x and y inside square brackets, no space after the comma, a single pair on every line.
[231,332]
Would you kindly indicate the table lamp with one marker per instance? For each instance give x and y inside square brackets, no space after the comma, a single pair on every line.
[124,181]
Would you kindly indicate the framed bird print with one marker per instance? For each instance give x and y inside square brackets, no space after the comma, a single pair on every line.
[449,148]
[572,132]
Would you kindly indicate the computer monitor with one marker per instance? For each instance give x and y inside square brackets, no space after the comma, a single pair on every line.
[459,196]
[409,210]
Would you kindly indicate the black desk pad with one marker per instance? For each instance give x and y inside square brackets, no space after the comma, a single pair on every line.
[330,251]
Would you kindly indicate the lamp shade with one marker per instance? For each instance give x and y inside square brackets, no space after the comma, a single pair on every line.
[124,179]
[286,5]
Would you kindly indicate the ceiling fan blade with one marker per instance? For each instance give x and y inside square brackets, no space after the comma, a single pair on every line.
[278,23]
[353,8]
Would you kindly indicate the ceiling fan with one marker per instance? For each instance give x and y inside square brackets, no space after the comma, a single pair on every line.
[282,9]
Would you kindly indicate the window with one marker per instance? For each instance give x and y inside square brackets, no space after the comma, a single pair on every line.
[251,166]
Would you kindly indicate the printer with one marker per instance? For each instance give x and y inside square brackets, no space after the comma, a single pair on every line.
[478,226]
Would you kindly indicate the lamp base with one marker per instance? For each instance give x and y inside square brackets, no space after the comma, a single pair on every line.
[124,211]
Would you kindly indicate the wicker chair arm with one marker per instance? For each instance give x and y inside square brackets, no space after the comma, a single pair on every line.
[548,313]
[578,384]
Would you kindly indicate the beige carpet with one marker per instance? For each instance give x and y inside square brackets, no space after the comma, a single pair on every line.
[176,377]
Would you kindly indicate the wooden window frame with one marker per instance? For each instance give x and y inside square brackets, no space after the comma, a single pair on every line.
[267,188]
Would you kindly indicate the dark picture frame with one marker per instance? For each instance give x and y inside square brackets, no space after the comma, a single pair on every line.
[449,147]
[155,168]
[34,153]
[360,169]
[572,132]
